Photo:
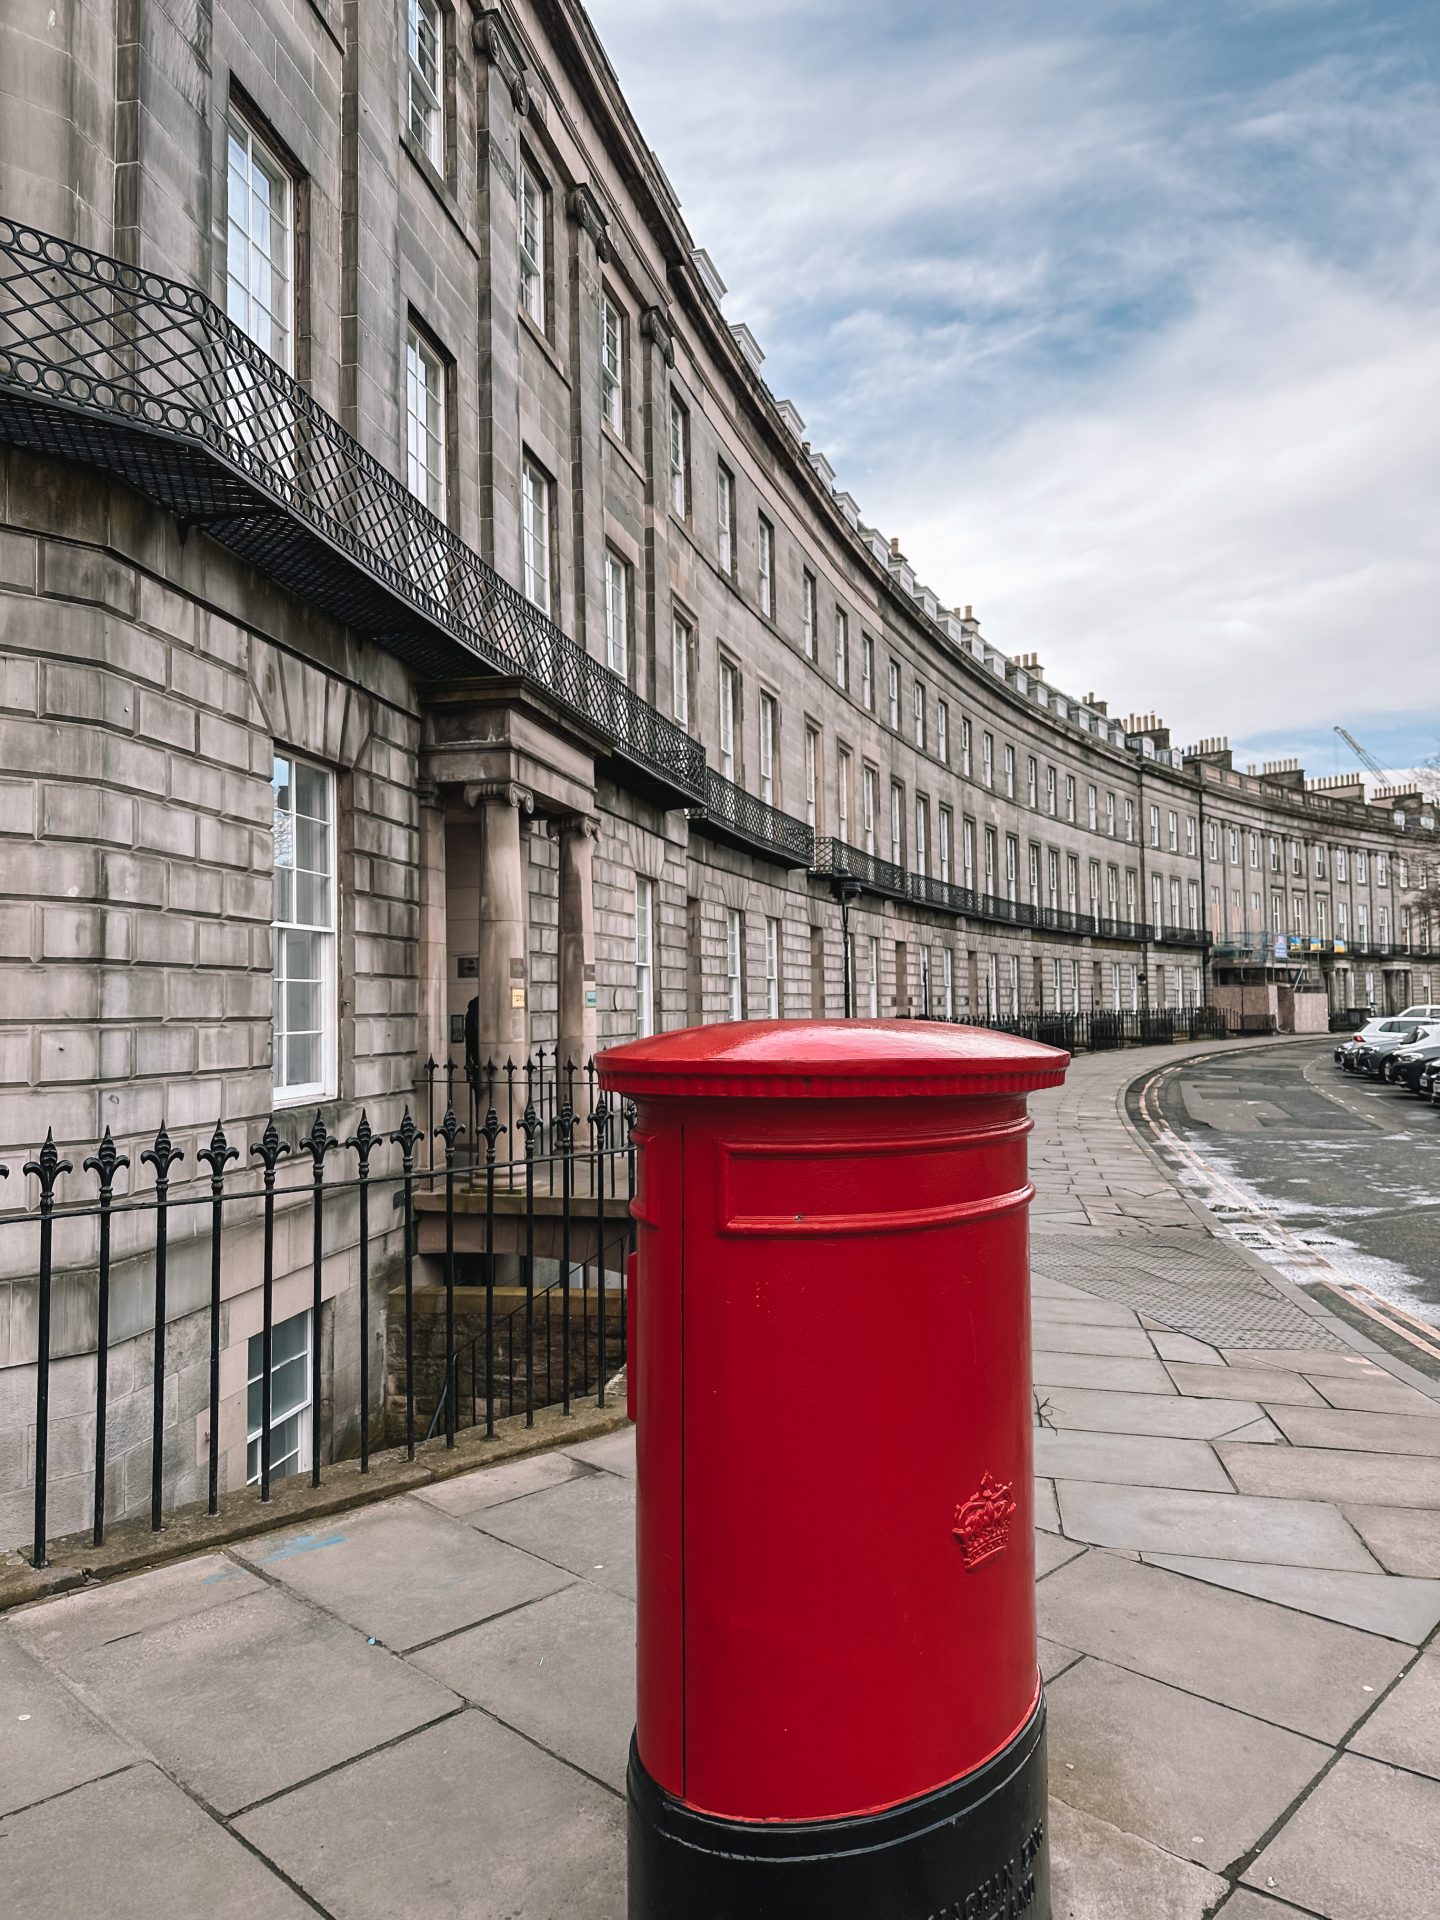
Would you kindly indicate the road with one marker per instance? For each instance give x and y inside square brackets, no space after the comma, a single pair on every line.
[1332,1179]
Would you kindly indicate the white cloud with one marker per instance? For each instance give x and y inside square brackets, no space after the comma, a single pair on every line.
[1120,316]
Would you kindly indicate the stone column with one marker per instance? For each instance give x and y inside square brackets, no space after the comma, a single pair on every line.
[501,985]
[577,939]
[432,1038]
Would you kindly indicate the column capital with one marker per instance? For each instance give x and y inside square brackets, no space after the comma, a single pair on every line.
[510,792]
[585,825]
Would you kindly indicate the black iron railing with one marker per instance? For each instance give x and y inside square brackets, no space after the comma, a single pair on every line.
[834,859]
[146,378]
[471,1224]
[733,814]
[1100,1028]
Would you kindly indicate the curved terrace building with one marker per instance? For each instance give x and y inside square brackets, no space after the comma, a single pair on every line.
[411,592]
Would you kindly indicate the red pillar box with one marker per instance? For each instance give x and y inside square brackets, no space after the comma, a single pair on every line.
[840,1710]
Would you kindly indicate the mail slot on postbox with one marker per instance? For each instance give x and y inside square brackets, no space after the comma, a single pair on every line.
[839,1709]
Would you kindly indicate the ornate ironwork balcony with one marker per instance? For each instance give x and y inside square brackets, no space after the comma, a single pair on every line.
[146,378]
[733,815]
[875,875]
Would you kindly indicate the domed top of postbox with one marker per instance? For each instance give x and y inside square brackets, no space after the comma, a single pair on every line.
[830,1059]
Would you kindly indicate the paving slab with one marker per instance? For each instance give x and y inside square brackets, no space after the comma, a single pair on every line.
[1128,1459]
[1260,1433]
[74,1622]
[1270,1385]
[464,1821]
[1055,1659]
[511,1480]
[402,1572]
[1406,1610]
[1375,1393]
[1163,1414]
[1183,1346]
[611,1453]
[1047,1514]
[1403,1539]
[134,1847]
[252,1697]
[1304,1533]
[1359,1432]
[1364,1846]
[1077,1336]
[1324,1473]
[587,1527]
[1096,1370]
[1083,1309]
[50,1743]
[1306,1674]
[1405,1728]
[1200,1780]
[561,1671]
[1343,1364]
[1053,1550]
[1245,1905]
[1100,1872]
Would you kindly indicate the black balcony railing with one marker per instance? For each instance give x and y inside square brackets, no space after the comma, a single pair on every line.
[730,813]
[835,857]
[146,378]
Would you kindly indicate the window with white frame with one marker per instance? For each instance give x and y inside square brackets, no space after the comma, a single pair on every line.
[812,776]
[535,519]
[842,792]
[874,945]
[725,518]
[895,695]
[769,728]
[679,457]
[766,544]
[1382,869]
[1130,821]
[987,758]
[424,44]
[967,847]
[919,716]
[644,955]
[1009,773]
[681,641]
[842,650]
[1361,869]
[612,364]
[965,736]
[1092,809]
[1342,864]
[871,790]
[1070,797]
[922,834]
[897,824]
[617,614]
[425,422]
[772,967]
[304,1046]
[735,962]
[1110,815]
[807,612]
[1172,831]
[530,200]
[1050,791]
[1191,829]
[947,961]
[867,672]
[729,701]
[260,233]
[290,1404]
[947,845]
[942,731]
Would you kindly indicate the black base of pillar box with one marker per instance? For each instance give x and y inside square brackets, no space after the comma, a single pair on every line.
[975,1850]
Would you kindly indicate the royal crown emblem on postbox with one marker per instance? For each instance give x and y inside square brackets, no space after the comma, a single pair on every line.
[982,1523]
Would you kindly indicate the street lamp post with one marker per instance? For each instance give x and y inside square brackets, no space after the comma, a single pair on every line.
[846,888]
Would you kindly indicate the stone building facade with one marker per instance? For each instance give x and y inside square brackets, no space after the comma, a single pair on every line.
[448,609]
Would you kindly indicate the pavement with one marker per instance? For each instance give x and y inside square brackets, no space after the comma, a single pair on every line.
[424,1707]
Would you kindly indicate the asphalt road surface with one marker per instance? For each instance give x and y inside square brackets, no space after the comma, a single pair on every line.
[1333,1179]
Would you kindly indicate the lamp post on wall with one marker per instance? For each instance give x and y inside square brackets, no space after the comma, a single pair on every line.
[846,888]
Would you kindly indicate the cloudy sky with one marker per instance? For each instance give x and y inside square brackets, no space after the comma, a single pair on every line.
[1122,314]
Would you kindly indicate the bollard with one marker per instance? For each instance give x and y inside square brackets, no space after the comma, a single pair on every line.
[839,1708]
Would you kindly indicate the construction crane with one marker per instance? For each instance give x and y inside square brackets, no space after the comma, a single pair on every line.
[1367,760]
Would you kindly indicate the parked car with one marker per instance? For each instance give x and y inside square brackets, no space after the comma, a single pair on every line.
[1374,1042]
[1418,1013]
[1430,1081]
[1406,1064]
